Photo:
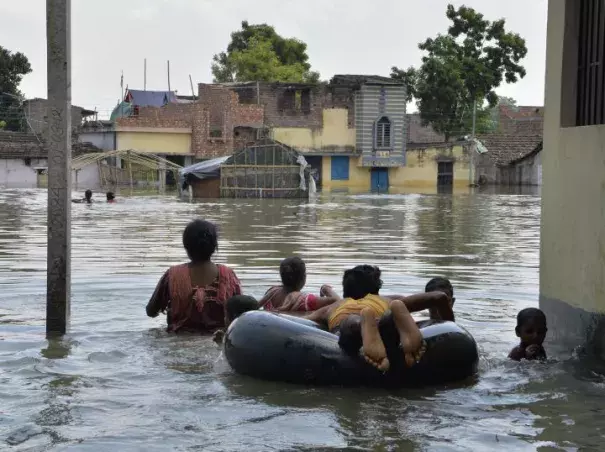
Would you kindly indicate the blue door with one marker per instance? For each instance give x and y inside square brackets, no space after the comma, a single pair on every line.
[380,179]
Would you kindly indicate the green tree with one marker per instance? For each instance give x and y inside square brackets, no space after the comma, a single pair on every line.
[288,56]
[260,62]
[13,66]
[462,68]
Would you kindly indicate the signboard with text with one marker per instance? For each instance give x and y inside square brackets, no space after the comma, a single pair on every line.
[387,162]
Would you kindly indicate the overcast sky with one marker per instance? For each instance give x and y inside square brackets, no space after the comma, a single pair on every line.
[343,36]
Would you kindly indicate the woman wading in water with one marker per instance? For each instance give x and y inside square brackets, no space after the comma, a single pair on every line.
[195,294]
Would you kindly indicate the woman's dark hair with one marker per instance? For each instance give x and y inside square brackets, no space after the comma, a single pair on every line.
[88,194]
[530,314]
[200,240]
[361,281]
[292,271]
[440,284]
[110,196]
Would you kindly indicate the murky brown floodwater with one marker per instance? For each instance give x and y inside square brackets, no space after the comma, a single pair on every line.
[119,383]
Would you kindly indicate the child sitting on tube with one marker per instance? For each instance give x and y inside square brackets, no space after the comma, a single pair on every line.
[363,318]
[289,296]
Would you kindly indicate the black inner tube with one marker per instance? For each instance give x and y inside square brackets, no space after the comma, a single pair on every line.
[290,349]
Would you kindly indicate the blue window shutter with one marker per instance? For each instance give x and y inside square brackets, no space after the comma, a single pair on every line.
[340,168]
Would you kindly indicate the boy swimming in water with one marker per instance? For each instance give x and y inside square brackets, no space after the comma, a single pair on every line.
[531,329]
[235,306]
[363,320]
[440,284]
[87,198]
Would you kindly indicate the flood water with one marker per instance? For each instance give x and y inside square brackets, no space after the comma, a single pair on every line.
[118,382]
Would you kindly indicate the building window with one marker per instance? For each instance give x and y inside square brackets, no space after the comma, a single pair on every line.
[590,102]
[295,101]
[383,133]
[340,168]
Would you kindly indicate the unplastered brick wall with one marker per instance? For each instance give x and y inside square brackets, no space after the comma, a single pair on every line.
[171,116]
[249,116]
[292,105]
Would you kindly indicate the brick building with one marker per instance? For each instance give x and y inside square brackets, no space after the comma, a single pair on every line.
[213,125]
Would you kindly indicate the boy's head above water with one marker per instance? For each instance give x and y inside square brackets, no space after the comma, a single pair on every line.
[531,326]
[440,284]
[360,281]
[293,272]
[237,305]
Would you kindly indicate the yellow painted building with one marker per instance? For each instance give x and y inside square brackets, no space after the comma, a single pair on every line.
[341,166]
[335,135]
[154,140]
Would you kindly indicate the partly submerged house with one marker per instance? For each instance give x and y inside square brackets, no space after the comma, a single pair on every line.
[202,178]
[24,162]
[509,160]
[264,169]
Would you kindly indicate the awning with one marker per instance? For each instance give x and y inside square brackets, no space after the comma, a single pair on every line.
[204,170]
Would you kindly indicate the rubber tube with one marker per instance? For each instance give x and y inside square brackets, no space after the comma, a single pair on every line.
[289,349]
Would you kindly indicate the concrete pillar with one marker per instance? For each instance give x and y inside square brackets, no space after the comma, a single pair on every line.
[58,44]
[572,243]
[162,175]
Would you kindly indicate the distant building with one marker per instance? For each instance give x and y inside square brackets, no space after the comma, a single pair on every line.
[184,129]
[354,131]
[101,134]
[37,116]
[509,160]
[24,162]
[521,120]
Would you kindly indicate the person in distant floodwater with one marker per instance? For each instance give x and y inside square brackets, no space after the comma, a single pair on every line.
[531,329]
[195,294]
[87,198]
[110,197]
[289,296]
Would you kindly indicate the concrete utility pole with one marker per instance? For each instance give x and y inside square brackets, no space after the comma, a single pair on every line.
[471,166]
[58,140]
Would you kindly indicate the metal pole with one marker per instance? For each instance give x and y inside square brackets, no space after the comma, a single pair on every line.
[58,276]
[122,98]
[168,75]
[191,83]
[471,169]
[130,172]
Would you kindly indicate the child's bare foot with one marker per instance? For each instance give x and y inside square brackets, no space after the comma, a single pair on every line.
[373,348]
[410,336]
